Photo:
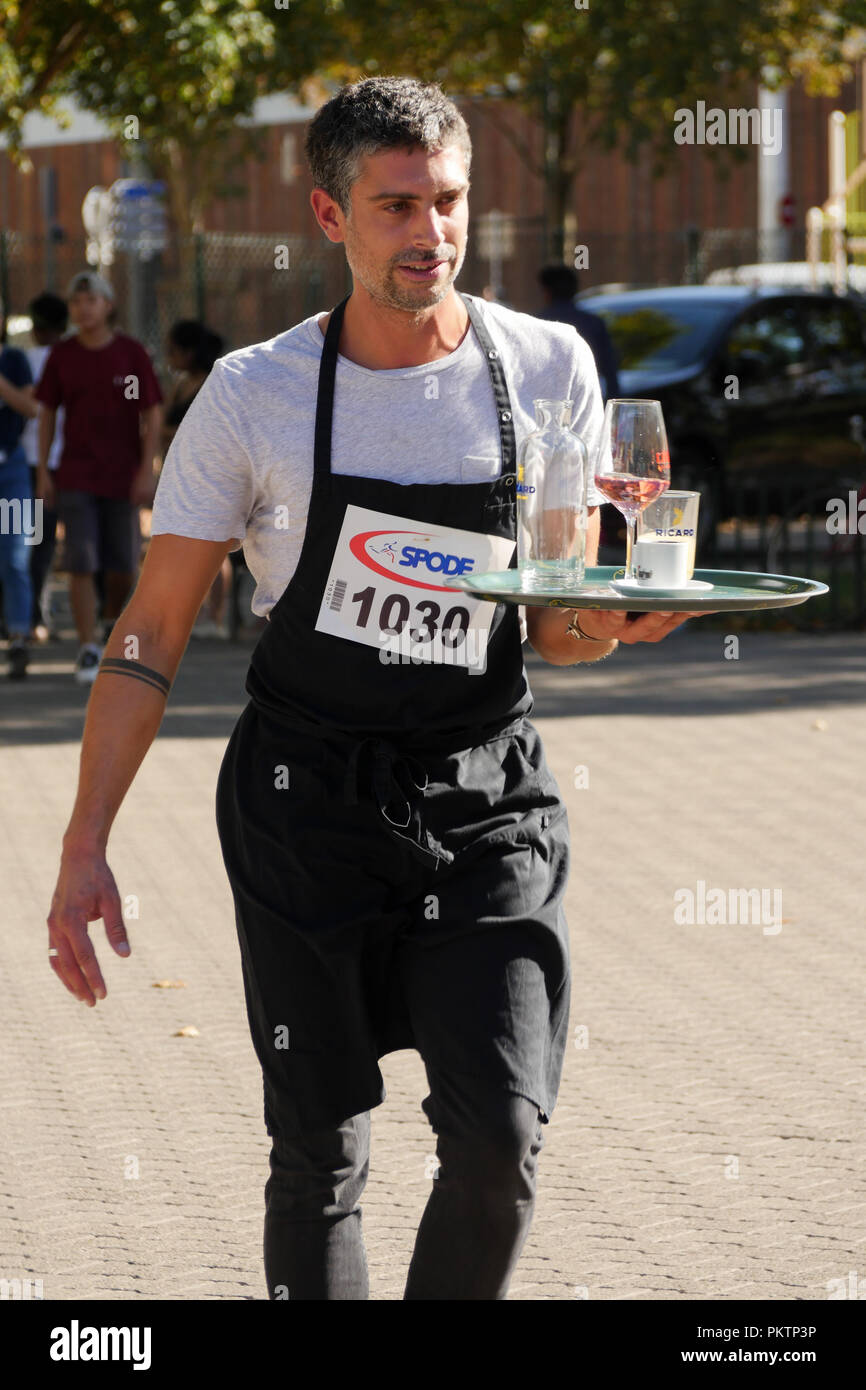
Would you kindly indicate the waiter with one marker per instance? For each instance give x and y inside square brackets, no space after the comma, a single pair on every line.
[396,845]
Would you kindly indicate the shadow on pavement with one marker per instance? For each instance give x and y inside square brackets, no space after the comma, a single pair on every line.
[50,707]
[686,674]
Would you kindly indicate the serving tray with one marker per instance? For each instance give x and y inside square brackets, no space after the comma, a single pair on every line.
[732,590]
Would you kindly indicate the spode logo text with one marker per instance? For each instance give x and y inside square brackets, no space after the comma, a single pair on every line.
[399,554]
[435,560]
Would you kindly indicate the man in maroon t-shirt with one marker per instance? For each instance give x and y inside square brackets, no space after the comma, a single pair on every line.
[111,397]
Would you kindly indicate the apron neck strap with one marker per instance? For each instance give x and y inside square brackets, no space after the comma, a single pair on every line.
[325,396]
[507,442]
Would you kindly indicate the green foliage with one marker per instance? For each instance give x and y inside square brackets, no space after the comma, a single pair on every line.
[639,334]
[189,69]
[628,64]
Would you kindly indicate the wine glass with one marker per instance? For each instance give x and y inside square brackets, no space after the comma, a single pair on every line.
[633,437]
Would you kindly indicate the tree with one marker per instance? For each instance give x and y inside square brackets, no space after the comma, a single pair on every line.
[188,71]
[172,81]
[624,67]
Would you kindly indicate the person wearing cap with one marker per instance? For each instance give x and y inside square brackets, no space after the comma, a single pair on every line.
[105,381]
[396,845]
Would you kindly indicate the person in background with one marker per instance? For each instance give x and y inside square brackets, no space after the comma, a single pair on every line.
[192,350]
[16,406]
[560,284]
[49,317]
[106,382]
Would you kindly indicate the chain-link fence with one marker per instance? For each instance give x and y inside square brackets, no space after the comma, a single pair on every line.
[250,287]
[246,287]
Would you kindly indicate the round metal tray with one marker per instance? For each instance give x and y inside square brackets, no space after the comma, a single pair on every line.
[732,590]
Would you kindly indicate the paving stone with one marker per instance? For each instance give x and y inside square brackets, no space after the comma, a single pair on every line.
[708,1143]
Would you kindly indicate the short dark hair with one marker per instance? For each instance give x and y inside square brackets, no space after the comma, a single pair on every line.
[379,113]
[48,312]
[561,280]
[190,335]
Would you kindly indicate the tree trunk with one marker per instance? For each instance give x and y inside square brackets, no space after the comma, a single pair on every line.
[560,171]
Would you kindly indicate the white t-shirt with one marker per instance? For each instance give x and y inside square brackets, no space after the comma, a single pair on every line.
[37,357]
[245,446]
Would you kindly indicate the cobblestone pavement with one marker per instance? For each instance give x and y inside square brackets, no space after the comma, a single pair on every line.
[708,1141]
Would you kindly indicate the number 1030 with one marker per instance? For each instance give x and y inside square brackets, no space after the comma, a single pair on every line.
[395,610]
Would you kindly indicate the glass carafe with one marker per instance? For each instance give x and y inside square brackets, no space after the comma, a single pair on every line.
[552,480]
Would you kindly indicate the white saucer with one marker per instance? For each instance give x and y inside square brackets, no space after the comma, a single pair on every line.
[631,586]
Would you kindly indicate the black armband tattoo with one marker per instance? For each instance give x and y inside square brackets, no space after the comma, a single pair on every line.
[124,666]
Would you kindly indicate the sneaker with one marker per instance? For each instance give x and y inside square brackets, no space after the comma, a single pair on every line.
[17,657]
[87,665]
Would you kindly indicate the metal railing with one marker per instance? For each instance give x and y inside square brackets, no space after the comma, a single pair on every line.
[792,529]
[786,527]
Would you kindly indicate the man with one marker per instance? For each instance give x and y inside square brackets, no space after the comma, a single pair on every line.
[111,396]
[396,845]
[16,407]
[559,284]
[48,317]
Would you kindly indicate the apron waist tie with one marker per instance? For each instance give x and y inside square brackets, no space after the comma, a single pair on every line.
[396,780]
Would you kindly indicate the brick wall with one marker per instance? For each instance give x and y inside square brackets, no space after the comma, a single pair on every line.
[633,224]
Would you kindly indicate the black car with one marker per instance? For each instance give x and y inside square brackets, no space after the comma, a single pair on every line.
[757,386]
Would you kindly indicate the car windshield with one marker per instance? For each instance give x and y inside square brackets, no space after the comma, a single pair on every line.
[659,334]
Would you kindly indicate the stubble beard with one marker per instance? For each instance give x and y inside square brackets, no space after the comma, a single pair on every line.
[383,285]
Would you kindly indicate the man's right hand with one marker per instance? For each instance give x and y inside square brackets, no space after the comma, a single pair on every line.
[85,892]
[45,487]
[123,716]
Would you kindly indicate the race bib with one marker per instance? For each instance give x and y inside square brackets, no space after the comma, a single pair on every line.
[385,589]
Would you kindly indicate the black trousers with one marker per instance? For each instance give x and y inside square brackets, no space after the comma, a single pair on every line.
[353,946]
[473,1227]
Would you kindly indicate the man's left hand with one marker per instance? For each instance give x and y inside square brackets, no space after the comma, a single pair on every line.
[611,625]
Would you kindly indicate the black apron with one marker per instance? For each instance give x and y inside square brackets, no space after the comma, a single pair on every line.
[396,845]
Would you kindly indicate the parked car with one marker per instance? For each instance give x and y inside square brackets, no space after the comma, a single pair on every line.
[756,384]
[792,274]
